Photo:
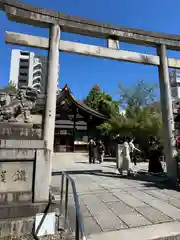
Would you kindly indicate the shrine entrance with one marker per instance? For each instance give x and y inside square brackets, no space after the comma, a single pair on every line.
[58,22]
[74,122]
[63,141]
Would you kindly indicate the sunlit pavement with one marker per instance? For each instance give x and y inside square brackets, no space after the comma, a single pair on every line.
[121,206]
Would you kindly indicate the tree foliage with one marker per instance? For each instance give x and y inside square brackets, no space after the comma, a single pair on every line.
[101,101]
[10,88]
[139,95]
[142,116]
[142,112]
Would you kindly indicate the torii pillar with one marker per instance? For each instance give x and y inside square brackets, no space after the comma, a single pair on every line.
[51,88]
[167,114]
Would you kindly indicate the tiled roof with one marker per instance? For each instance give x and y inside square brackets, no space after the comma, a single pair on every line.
[65,93]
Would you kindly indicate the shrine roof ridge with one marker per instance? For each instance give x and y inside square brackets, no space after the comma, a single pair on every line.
[67,94]
[20,12]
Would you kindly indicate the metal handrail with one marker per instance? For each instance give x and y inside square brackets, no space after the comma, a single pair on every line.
[79,233]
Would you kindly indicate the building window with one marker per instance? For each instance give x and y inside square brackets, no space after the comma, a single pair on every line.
[22,67]
[174,92]
[22,81]
[24,60]
[25,53]
[171,74]
[23,74]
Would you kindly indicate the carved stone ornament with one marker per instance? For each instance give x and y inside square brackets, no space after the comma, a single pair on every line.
[17,107]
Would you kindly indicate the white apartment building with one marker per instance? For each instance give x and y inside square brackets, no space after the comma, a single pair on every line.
[174,78]
[28,69]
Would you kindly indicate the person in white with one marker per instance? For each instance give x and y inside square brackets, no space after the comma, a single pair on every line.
[132,150]
[125,163]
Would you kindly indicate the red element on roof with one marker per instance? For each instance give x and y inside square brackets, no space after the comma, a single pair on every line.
[65,88]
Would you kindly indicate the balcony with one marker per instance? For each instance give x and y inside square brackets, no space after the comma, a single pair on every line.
[37,88]
[37,72]
[37,64]
[36,79]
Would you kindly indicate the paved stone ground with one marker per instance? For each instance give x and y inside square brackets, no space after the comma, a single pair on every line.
[112,203]
[79,162]
[72,162]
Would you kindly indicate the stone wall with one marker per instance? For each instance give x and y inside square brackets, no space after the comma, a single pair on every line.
[24,185]
[24,165]
[20,131]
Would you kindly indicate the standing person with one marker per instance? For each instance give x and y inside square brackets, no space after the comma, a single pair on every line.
[133,149]
[92,147]
[126,159]
[100,151]
[154,157]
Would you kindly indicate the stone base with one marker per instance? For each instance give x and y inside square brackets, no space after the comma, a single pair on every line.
[16,227]
[18,220]
[24,166]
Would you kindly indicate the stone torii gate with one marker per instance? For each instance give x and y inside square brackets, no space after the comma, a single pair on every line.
[58,22]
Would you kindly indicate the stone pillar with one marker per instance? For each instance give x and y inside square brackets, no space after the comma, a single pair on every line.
[167,113]
[53,71]
[42,176]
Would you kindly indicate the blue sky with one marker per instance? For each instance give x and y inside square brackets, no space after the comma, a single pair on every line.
[80,72]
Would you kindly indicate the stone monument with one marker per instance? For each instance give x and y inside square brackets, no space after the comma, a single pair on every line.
[24,164]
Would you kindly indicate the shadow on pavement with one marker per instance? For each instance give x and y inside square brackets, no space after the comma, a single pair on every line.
[150,180]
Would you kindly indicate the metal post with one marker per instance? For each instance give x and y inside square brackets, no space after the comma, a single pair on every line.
[66,200]
[52,81]
[62,191]
[167,113]
[77,228]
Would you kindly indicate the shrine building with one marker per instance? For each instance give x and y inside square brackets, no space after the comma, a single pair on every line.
[75,122]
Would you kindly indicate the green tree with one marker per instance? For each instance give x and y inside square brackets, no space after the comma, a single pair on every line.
[142,116]
[101,101]
[142,113]
[93,97]
[10,88]
[139,95]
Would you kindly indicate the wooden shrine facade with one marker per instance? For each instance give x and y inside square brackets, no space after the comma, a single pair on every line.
[75,122]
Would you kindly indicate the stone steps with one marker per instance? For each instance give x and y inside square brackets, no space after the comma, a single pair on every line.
[161,231]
